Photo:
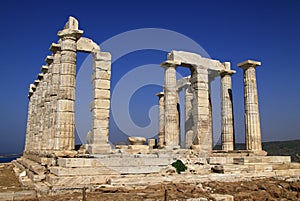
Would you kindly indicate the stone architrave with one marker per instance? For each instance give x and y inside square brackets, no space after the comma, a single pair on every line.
[100,106]
[161,129]
[65,115]
[171,114]
[252,119]
[227,121]
[54,87]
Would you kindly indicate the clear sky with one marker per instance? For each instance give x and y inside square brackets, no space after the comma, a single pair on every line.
[268,31]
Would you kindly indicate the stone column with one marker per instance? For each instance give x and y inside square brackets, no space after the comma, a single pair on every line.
[54,136]
[65,116]
[35,125]
[100,107]
[32,88]
[40,108]
[161,129]
[189,134]
[252,120]
[227,124]
[171,116]
[201,128]
[45,109]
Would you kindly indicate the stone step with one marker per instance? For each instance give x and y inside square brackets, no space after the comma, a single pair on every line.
[22,164]
[31,165]
[74,181]
[60,171]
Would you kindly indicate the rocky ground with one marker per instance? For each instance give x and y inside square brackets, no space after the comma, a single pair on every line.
[266,189]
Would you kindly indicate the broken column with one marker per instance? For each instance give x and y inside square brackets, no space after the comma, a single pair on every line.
[252,120]
[171,114]
[161,129]
[227,123]
[65,116]
[100,106]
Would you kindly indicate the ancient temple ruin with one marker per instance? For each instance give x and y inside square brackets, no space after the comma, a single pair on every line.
[52,164]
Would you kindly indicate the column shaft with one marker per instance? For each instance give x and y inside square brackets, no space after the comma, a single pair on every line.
[65,115]
[171,114]
[227,123]
[201,128]
[189,134]
[161,129]
[252,119]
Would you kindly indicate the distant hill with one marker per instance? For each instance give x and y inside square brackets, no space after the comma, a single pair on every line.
[278,148]
[284,148]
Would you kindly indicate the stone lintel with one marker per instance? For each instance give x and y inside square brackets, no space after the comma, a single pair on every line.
[169,63]
[40,76]
[249,63]
[54,47]
[44,69]
[49,60]
[160,94]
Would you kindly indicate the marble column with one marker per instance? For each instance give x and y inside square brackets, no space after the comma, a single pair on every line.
[40,108]
[171,114]
[28,144]
[227,121]
[201,128]
[54,137]
[189,134]
[35,125]
[100,107]
[45,107]
[65,116]
[161,126]
[252,119]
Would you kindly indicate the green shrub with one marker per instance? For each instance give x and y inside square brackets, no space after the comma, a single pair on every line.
[179,166]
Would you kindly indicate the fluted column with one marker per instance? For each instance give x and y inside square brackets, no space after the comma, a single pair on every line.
[65,116]
[40,108]
[252,119]
[45,109]
[35,125]
[189,134]
[161,129]
[227,121]
[100,106]
[54,136]
[28,143]
[201,128]
[171,114]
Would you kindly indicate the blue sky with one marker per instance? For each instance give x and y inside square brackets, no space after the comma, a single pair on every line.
[233,31]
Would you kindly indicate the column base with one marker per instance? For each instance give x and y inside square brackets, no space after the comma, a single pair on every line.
[171,147]
[98,148]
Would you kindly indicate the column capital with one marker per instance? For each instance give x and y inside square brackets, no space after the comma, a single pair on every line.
[249,63]
[44,69]
[36,82]
[40,76]
[49,60]
[55,47]
[227,72]
[169,63]
[160,94]
[69,33]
